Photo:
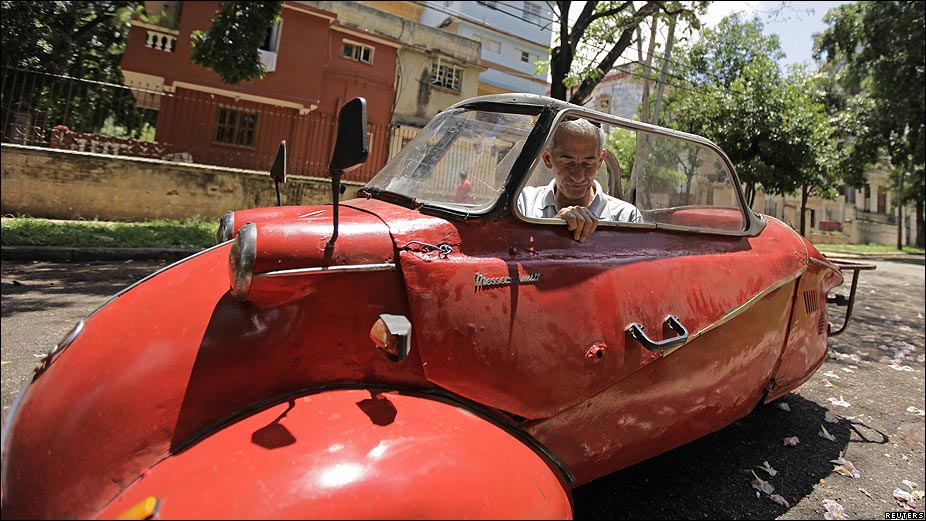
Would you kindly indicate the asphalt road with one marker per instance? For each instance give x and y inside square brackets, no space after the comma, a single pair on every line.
[873,381]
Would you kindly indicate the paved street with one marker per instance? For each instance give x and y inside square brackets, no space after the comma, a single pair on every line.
[873,380]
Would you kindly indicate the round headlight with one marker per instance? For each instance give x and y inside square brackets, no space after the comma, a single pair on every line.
[226,228]
[241,260]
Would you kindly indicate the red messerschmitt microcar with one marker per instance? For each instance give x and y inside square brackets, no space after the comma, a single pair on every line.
[406,354]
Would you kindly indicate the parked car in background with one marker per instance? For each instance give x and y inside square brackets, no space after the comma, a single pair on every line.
[403,354]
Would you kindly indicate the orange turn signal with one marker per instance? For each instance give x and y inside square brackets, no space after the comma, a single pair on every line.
[144,509]
[392,334]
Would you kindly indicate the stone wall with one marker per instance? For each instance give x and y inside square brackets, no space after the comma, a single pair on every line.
[61,184]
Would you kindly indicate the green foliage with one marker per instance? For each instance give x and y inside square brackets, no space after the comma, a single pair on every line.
[875,53]
[774,127]
[80,39]
[230,46]
[162,233]
[867,248]
[599,34]
[623,144]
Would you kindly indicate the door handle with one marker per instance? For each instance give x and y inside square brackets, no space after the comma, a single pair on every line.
[637,331]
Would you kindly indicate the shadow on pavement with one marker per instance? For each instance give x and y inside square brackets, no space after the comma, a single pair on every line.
[26,286]
[711,478]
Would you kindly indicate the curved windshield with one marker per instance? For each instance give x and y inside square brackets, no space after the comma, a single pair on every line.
[460,160]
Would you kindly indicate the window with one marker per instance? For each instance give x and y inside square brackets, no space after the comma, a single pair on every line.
[235,127]
[531,12]
[525,56]
[272,39]
[447,76]
[677,183]
[358,52]
[771,206]
[850,194]
[268,49]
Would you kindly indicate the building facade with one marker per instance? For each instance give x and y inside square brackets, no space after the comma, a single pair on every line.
[435,68]
[515,35]
[314,65]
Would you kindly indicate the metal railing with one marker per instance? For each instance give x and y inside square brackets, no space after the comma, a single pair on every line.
[63,112]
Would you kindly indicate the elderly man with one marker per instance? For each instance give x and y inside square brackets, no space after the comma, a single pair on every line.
[574,156]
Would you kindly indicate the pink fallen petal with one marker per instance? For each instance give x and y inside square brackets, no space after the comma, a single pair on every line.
[768,468]
[825,434]
[833,510]
[780,500]
[905,498]
[762,486]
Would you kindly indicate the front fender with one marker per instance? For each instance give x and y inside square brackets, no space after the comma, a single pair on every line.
[357,454]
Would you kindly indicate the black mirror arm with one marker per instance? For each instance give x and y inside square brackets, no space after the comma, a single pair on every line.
[335,174]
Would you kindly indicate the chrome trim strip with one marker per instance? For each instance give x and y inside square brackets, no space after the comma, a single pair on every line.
[70,337]
[386,266]
[741,308]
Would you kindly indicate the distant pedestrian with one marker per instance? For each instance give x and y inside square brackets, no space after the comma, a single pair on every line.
[464,190]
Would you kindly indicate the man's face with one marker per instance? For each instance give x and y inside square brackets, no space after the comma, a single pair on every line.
[574,161]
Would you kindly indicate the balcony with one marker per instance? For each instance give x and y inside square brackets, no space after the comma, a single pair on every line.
[158,38]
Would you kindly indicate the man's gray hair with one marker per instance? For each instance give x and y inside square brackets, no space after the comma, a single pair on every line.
[578,127]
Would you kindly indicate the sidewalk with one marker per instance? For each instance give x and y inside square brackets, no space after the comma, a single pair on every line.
[873,256]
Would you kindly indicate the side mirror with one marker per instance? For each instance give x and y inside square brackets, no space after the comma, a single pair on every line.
[350,151]
[352,145]
[278,169]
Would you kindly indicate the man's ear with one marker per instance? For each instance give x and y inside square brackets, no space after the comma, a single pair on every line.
[548,159]
[603,153]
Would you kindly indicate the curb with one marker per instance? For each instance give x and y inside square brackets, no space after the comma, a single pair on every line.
[74,254]
[873,256]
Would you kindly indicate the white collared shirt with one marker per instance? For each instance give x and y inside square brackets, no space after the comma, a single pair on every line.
[537,201]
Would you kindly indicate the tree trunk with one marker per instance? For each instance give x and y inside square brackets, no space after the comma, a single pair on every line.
[584,90]
[920,224]
[749,191]
[666,58]
[805,193]
[562,55]
[900,219]
[560,61]
[643,142]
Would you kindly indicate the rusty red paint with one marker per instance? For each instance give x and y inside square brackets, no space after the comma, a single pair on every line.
[521,381]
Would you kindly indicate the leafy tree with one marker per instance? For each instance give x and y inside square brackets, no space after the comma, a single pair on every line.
[774,127]
[600,34]
[875,51]
[80,39]
[46,44]
[229,51]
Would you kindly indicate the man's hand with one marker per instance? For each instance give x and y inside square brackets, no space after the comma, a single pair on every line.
[580,220]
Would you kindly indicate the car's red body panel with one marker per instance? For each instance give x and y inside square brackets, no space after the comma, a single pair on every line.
[232,384]
[354,454]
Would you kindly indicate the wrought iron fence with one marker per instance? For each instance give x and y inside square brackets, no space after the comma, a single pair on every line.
[183,125]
